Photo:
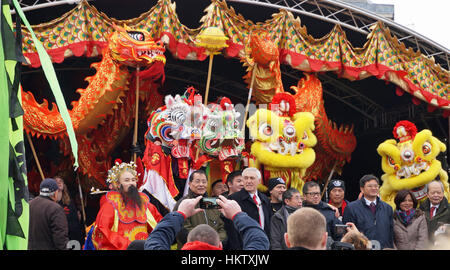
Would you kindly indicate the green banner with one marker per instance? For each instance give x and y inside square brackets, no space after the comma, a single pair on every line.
[14,210]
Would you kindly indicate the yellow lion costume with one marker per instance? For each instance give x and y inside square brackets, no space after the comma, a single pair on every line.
[410,163]
[283,144]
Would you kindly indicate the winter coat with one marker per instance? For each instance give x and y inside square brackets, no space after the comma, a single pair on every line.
[48,225]
[442,216]
[248,206]
[378,227]
[278,227]
[76,228]
[411,237]
[330,217]
[209,216]
[164,234]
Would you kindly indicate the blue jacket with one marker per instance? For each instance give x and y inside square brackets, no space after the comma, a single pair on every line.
[165,232]
[378,227]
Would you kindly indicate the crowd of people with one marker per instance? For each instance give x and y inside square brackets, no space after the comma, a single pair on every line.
[241,217]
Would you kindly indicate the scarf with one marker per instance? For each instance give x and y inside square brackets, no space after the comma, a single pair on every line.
[198,245]
[290,209]
[406,216]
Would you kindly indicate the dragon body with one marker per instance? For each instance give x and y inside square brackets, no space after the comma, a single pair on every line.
[103,114]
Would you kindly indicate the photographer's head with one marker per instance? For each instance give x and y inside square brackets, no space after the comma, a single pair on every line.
[306,228]
[203,237]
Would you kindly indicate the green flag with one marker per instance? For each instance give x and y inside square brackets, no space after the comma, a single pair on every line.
[14,211]
[14,196]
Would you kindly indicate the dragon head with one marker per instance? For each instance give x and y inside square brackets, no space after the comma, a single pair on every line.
[135,47]
[283,142]
[261,48]
[411,162]
[221,134]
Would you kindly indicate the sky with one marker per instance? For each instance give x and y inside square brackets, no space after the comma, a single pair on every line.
[430,18]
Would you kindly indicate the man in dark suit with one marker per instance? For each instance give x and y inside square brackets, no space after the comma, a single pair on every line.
[253,202]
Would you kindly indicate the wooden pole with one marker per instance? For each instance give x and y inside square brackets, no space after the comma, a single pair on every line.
[208,81]
[329,178]
[136,116]
[35,156]
[82,202]
[249,96]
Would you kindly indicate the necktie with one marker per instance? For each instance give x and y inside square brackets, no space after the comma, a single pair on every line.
[432,211]
[257,205]
[372,208]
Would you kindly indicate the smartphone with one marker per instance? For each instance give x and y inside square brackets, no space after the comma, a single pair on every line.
[209,203]
[340,228]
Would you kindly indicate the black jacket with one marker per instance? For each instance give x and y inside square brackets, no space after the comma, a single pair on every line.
[442,215]
[164,234]
[378,227]
[48,225]
[248,206]
[330,217]
[278,227]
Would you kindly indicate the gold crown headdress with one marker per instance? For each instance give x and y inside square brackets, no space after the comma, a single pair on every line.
[119,166]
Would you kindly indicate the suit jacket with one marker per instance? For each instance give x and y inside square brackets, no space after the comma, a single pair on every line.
[442,215]
[248,206]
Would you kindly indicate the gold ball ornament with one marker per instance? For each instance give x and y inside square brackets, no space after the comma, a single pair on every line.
[212,39]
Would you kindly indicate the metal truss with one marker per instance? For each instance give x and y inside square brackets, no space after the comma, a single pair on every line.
[359,20]
[27,5]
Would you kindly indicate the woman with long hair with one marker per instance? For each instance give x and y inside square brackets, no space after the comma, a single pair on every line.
[73,215]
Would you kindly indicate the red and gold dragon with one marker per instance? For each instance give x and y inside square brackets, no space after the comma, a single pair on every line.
[334,145]
[104,113]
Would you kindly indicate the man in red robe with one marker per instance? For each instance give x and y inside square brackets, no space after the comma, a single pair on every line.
[127,214]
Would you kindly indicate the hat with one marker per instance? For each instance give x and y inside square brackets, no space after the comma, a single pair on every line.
[47,187]
[334,184]
[273,182]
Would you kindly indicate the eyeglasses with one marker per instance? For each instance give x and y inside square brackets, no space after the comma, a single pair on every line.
[313,194]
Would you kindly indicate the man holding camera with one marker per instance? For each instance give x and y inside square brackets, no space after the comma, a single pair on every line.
[198,183]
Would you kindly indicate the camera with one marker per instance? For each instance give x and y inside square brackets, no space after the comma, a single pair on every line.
[209,203]
[341,246]
[340,229]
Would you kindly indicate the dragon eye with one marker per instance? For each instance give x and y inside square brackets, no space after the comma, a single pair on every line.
[426,148]
[266,129]
[136,35]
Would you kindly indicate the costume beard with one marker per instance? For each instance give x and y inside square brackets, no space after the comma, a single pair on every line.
[131,195]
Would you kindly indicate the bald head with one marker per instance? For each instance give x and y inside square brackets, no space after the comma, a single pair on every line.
[306,227]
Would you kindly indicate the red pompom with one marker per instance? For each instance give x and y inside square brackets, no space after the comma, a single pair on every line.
[410,129]
[118,160]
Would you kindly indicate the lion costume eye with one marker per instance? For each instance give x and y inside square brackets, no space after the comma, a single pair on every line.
[426,148]
[305,136]
[266,129]
[391,161]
